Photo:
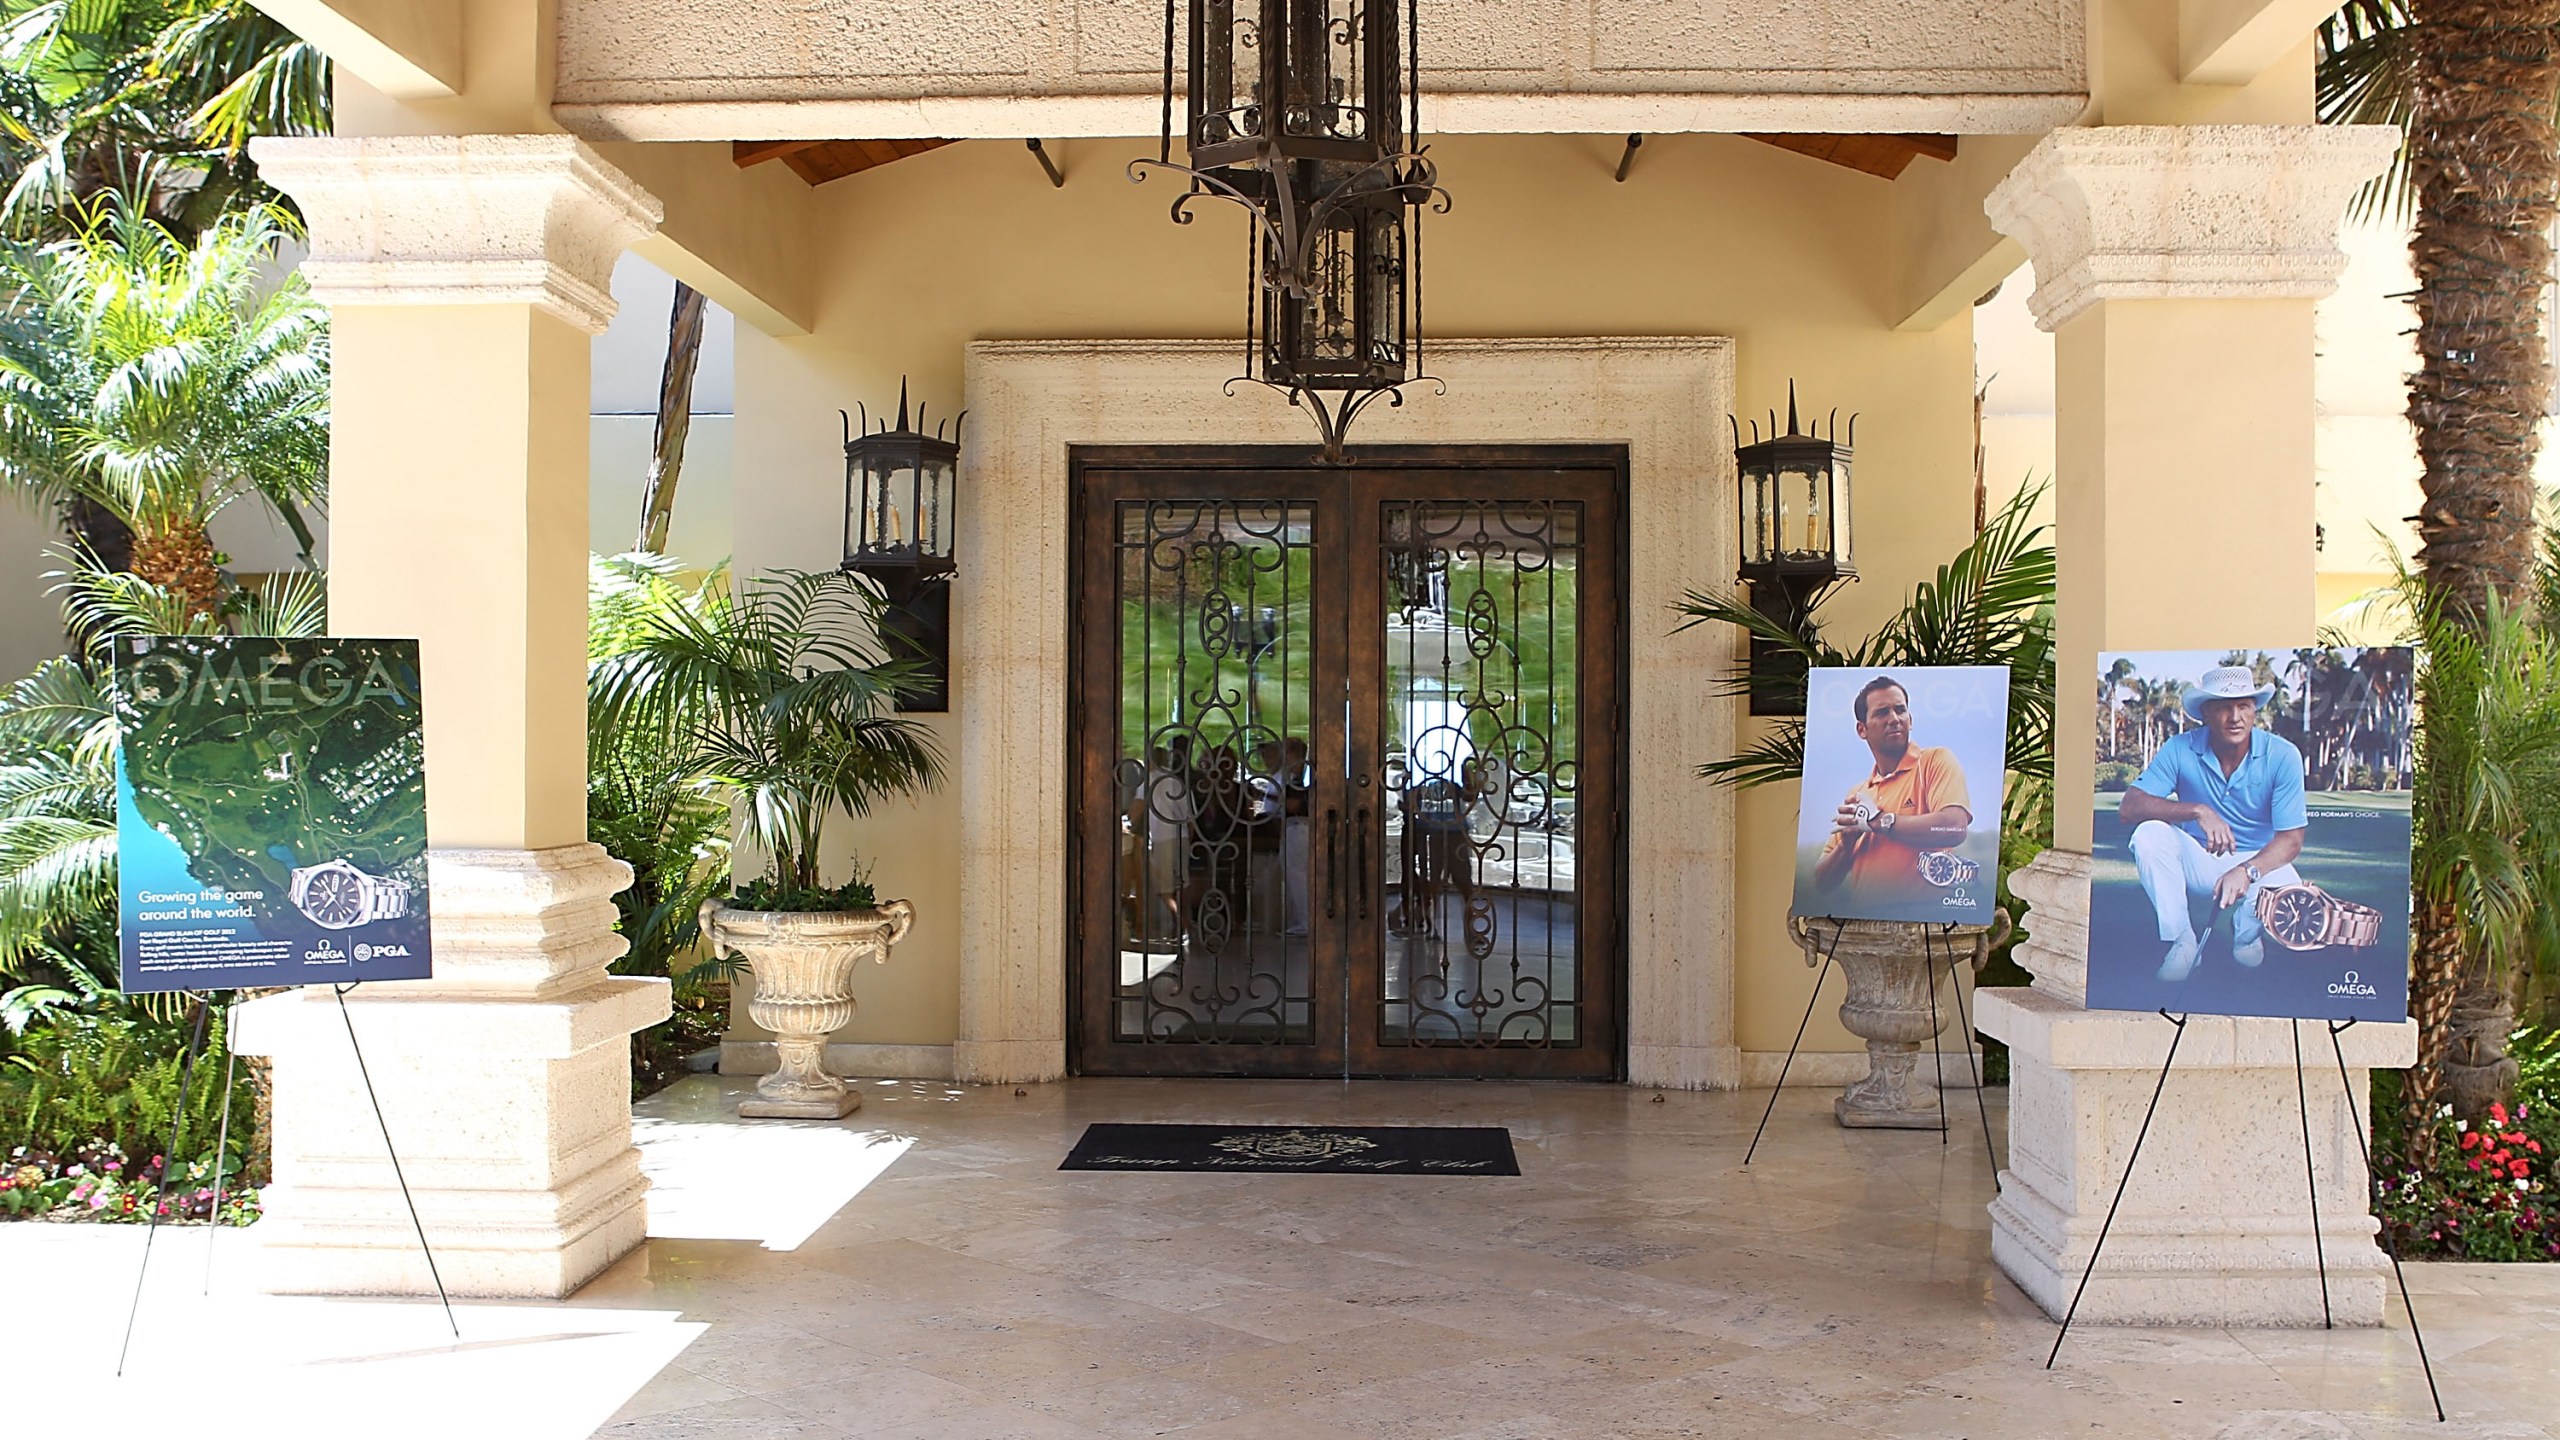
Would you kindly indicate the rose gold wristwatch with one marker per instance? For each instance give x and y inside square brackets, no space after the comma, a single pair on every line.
[2306,917]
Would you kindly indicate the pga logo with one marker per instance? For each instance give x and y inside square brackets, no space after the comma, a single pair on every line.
[2353,984]
[366,952]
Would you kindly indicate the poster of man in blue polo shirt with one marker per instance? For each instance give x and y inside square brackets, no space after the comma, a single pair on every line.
[2251,852]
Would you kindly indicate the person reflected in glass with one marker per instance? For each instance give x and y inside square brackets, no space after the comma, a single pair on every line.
[1165,813]
[1296,783]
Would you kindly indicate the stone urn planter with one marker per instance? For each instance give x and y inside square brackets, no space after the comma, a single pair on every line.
[803,966]
[1892,967]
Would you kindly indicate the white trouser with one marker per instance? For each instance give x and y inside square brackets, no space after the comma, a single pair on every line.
[1293,872]
[2176,870]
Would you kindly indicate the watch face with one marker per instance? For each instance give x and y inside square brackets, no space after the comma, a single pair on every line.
[2299,917]
[334,896]
[1942,869]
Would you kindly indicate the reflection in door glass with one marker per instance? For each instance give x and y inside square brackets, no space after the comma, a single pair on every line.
[1212,772]
[1481,704]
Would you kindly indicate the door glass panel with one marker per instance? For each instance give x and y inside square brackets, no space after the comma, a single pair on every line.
[1479,714]
[1215,660]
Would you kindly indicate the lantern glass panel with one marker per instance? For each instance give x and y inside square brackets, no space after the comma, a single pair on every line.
[1841,529]
[1759,516]
[934,533]
[1807,500]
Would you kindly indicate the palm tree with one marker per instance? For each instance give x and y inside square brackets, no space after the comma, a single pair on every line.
[777,695]
[2473,84]
[164,381]
[150,98]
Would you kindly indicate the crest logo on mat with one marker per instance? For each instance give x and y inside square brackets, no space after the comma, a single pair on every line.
[1295,1145]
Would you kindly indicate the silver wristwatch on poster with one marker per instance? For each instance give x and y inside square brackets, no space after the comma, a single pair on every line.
[338,896]
[1942,869]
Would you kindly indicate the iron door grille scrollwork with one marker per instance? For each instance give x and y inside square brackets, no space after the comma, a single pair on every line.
[1214,617]
[1481,708]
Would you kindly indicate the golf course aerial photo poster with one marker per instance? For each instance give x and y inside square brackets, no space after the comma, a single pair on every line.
[2251,854]
[271,812]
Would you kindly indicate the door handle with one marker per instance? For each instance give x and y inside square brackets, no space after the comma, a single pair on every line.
[1332,860]
[1360,859]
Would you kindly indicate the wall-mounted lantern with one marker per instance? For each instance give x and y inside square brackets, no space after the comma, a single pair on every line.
[1795,538]
[900,498]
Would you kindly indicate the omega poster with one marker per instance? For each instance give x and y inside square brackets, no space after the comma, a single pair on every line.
[270,812]
[2251,853]
[1900,816]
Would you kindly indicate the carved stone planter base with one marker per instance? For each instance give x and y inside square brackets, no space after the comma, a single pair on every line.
[1889,1097]
[802,968]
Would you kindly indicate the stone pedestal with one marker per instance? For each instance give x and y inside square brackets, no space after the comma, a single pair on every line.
[505,1082]
[2216,1225]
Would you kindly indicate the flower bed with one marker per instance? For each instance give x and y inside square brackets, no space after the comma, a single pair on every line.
[2489,1195]
[99,1183]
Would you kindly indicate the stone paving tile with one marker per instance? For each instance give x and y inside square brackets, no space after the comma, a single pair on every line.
[1634,1283]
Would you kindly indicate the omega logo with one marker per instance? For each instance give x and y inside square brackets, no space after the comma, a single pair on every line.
[2352,985]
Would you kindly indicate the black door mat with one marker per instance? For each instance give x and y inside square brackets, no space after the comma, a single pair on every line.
[1304,1149]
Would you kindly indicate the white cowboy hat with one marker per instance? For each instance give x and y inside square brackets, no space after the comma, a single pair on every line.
[2225,682]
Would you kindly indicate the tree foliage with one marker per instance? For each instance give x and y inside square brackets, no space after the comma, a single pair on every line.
[164,381]
[778,696]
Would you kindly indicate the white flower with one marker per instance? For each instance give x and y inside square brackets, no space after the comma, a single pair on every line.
[2522,1185]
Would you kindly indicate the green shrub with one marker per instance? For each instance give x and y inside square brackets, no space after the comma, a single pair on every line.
[81,1080]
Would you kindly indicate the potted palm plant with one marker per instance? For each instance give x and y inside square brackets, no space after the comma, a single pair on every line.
[1991,604]
[783,701]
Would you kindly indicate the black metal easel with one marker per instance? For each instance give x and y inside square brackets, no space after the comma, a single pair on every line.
[2109,1223]
[168,1162]
[2302,1094]
[2390,1247]
[177,1131]
[340,991]
[1839,927]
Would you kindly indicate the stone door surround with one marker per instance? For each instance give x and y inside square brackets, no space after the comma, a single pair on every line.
[1663,398]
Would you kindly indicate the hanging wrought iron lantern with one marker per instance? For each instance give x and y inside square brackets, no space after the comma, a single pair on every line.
[1794,492]
[900,500]
[1303,113]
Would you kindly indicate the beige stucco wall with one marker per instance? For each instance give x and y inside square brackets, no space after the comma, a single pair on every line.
[1713,235]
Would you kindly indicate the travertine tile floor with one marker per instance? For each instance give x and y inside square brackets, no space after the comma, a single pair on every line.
[924,1270]
[1633,1282]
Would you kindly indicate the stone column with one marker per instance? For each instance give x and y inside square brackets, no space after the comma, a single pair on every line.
[2177,267]
[466,276]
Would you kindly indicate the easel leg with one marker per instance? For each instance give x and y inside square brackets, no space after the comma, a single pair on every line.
[1981,1104]
[1937,1053]
[168,1162]
[423,1248]
[222,1139]
[2129,1161]
[2311,1177]
[1809,1002]
[2390,1247]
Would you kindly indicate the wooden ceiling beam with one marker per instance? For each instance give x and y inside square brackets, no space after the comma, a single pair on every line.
[818,161]
[1883,156]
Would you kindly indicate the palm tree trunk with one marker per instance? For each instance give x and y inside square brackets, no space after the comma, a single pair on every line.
[2486,163]
[675,417]
[178,556]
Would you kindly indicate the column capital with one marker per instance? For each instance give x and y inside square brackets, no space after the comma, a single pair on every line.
[462,220]
[2180,212]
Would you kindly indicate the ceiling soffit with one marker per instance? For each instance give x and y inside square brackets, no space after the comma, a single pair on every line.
[810,69]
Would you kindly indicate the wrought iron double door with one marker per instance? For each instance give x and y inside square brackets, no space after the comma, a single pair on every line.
[1346,749]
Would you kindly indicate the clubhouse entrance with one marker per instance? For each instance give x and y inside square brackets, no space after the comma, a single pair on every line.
[1347,761]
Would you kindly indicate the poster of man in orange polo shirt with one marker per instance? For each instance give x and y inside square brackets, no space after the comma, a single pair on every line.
[1915,760]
